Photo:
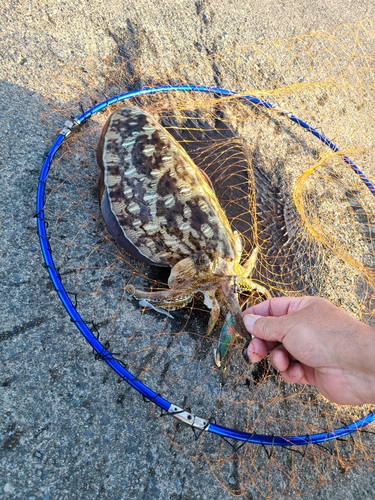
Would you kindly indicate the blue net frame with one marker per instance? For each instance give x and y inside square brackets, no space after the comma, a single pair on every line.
[196,423]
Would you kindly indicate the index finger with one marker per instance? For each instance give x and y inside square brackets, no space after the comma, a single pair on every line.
[278,306]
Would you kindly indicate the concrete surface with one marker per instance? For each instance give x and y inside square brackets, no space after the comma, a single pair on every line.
[68,430]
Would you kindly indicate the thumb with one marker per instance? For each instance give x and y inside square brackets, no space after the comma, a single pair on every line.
[264,327]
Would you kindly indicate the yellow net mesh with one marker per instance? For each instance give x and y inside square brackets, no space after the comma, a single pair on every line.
[284,190]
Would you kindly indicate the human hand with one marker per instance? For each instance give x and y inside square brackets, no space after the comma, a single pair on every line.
[311,341]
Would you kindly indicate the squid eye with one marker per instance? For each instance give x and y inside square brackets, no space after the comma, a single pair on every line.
[201,259]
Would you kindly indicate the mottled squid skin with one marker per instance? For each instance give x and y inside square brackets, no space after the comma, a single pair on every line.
[160,207]
[160,198]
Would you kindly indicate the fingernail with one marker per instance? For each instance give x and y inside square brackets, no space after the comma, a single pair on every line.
[275,362]
[249,320]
